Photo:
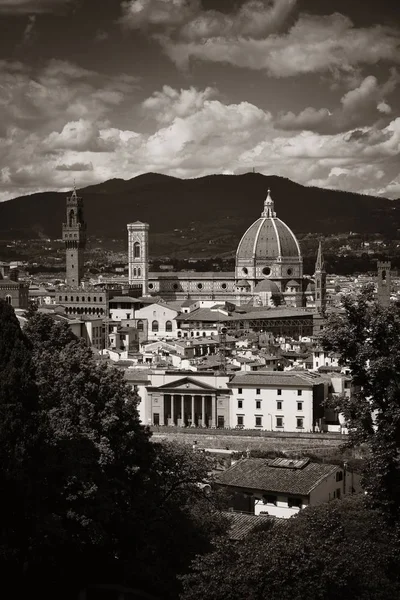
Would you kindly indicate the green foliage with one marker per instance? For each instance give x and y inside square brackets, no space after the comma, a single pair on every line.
[96,500]
[18,442]
[367,338]
[336,550]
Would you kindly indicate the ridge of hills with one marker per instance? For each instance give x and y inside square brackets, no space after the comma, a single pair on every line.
[215,209]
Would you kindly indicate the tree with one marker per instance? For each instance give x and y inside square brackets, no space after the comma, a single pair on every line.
[336,550]
[18,444]
[97,462]
[367,338]
[113,505]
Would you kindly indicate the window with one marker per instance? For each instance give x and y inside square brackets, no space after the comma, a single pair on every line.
[200,286]
[299,423]
[339,476]
[66,298]
[240,391]
[128,315]
[258,391]
[279,421]
[338,493]
[279,392]
[240,403]
[270,499]
[8,299]
[240,420]
[299,392]
[134,272]
[299,406]
[139,272]
[279,405]
[94,299]
[136,250]
[316,364]
[77,298]
[72,298]
[258,421]
[101,299]
[168,326]
[316,354]
[258,404]
[151,286]
[295,502]
[154,326]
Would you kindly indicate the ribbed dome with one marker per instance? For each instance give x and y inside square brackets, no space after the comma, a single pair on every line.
[268,238]
[266,285]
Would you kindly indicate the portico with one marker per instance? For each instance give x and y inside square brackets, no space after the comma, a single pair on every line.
[188,403]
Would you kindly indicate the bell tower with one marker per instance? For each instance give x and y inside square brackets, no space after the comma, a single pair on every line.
[138,254]
[384,282]
[74,236]
[320,282]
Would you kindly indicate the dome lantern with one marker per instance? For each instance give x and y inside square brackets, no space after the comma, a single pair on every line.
[268,207]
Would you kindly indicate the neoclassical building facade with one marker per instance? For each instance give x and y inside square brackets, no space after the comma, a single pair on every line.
[268,271]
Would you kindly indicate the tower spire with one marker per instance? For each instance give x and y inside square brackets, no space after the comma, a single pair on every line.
[268,206]
[320,263]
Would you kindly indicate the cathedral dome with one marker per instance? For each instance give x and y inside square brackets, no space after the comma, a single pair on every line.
[268,238]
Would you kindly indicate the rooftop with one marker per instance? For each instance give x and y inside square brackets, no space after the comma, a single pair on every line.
[260,474]
[242,524]
[275,379]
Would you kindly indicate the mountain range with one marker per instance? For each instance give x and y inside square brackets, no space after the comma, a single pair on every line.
[214,210]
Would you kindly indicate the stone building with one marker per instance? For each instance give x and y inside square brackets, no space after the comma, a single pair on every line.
[13,291]
[268,271]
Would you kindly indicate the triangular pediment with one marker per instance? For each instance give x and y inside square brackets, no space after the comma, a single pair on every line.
[186,383]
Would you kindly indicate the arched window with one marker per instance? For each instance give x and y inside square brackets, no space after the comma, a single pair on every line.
[71,218]
[154,326]
[139,272]
[168,326]
[134,272]
[139,325]
[136,250]
[179,334]
[8,299]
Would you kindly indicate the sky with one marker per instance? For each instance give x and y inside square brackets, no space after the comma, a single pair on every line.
[96,89]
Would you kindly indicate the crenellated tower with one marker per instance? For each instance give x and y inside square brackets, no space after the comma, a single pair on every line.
[74,236]
[320,282]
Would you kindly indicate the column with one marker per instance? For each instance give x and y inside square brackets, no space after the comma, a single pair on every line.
[203,411]
[214,410]
[162,410]
[172,410]
[182,410]
[193,423]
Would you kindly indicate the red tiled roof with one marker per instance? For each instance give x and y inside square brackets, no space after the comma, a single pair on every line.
[258,474]
[242,524]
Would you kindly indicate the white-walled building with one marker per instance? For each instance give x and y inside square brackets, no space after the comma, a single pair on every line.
[277,401]
[161,320]
[324,359]
[121,308]
[281,487]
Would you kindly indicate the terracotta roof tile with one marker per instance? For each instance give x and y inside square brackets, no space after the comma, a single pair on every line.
[258,474]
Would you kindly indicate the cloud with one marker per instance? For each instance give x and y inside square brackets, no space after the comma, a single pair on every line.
[363,105]
[75,167]
[31,7]
[164,106]
[254,37]
[29,30]
[193,133]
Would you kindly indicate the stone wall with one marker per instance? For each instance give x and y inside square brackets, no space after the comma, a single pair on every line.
[317,443]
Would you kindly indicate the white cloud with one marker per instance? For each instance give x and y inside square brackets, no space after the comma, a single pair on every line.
[194,133]
[164,106]
[359,106]
[254,36]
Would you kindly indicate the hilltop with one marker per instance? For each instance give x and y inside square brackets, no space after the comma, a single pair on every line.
[213,210]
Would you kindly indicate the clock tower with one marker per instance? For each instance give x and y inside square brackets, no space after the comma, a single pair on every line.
[74,236]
